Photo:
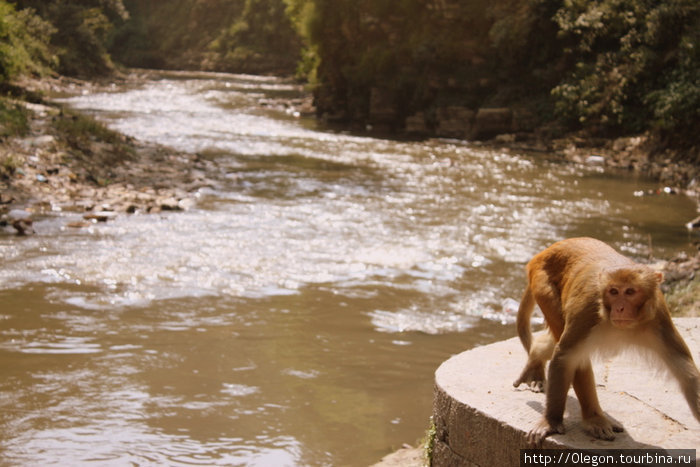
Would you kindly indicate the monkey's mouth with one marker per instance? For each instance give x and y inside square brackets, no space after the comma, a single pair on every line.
[623,323]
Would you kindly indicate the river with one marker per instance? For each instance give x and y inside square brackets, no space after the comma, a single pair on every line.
[296,314]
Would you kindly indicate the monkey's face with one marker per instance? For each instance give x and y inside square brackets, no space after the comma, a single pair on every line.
[623,303]
[625,292]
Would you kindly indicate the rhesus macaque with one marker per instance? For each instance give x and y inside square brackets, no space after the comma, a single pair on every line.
[594,299]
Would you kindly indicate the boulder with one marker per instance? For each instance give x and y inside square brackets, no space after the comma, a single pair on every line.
[455,122]
[382,110]
[415,124]
[493,121]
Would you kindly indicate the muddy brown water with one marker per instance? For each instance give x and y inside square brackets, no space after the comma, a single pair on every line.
[296,314]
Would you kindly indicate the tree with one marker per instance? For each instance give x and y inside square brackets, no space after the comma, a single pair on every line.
[637,65]
[81,32]
[24,39]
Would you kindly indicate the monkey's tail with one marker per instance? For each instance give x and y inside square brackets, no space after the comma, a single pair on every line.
[527,304]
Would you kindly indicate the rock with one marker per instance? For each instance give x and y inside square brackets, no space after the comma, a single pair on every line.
[38,141]
[415,124]
[694,224]
[455,122]
[24,227]
[407,456]
[524,120]
[381,107]
[505,138]
[100,216]
[21,221]
[185,204]
[493,121]
[595,160]
[41,110]
[169,204]
[77,224]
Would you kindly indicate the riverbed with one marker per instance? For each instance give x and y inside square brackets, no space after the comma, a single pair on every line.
[295,314]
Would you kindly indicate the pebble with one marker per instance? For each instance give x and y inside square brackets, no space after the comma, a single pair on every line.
[78,224]
[694,224]
[21,221]
[595,160]
[100,216]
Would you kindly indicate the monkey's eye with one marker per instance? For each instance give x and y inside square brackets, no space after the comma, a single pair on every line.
[630,291]
[613,291]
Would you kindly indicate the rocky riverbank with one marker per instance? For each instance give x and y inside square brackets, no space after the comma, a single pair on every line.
[68,162]
[675,177]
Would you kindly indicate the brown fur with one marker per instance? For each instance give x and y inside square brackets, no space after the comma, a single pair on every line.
[593,298]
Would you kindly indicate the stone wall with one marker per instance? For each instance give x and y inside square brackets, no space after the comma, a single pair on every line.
[465,123]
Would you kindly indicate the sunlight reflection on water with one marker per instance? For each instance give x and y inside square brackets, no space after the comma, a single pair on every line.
[298,310]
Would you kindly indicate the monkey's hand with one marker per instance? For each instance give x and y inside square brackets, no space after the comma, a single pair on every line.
[533,376]
[602,428]
[542,430]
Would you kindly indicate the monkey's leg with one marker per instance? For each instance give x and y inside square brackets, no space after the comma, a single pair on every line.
[594,421]
[671,347]
[559,378]
[540,352]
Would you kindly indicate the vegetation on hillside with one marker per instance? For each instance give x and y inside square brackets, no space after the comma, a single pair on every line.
[80,32]
[609,67]
[422,55]
[24,39]
[248,36]
[262,39]
[636,65]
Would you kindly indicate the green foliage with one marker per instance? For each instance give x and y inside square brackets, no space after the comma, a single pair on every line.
[262,39]
[172,33]
[14,119]
[607,66]
[82,32]
[422,54]
[80,129]
[24,41]
[428,442]
[249,36]
[9,163]
[636,64]
[302,15]
[80,132]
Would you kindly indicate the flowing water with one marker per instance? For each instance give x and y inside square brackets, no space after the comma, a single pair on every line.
[296,314]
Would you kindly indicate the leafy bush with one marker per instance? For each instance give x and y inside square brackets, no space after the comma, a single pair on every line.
[637,64]
[81,32]
[80,132]
[14,119]
[260,40]
[24,39]
[80,129]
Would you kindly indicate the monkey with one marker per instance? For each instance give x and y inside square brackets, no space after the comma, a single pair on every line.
[594,299]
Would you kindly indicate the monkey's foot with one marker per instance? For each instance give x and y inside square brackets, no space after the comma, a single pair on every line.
[543,429]
[602,428]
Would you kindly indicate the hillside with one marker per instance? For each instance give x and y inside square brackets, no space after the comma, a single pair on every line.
[526,68]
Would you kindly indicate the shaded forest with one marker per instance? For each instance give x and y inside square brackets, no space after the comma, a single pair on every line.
[606,67]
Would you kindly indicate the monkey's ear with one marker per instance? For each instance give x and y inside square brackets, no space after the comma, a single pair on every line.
[659,276]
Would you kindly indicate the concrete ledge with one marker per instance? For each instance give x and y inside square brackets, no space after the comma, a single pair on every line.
[482,420]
